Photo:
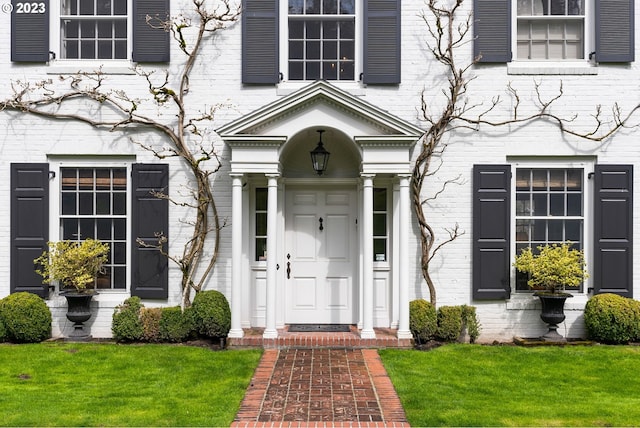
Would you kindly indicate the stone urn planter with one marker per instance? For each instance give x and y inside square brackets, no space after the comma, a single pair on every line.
[78,312]
[552,313]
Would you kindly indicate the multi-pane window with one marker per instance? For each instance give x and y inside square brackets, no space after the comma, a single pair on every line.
[93,29]
[380,236]
[321,39]
[94,205]
[550,29]
[261,224]
[549,209]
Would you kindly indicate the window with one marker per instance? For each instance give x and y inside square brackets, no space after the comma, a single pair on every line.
[549,209]
[550,29]
[93,204]
[93,29]
[321,39]
[380,237]
[261,224]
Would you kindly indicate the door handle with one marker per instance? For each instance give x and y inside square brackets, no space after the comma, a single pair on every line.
[288,266]
[321,226]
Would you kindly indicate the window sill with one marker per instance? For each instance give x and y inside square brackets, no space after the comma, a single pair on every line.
[286,88]
[91,67]
[578,68]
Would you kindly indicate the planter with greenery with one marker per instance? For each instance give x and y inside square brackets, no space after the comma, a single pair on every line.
[75,266]
[551,269]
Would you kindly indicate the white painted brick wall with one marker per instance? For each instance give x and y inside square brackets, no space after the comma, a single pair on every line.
[216,80]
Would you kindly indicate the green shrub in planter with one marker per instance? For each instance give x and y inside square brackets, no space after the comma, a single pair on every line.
[126,325]
[212,314]
[26,318]
[175,325]
[422,320]
[450,323]
[613,319]
[150,319]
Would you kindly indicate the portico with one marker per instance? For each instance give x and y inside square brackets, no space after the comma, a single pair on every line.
[320,249]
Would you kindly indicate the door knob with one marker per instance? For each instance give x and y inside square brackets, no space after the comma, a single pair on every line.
[321,226]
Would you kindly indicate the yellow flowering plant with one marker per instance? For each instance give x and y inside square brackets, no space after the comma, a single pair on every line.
[73,264]
[554,267]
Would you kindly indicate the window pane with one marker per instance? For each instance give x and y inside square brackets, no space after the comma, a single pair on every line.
[261,224]
[379,250]
[119,277]
[120,228]
[87,50]
[296,7]
[71,29]
[69,229]
[576,7]
[87,228]
[296,50]
[103,203]
[556,204]
[330,6]
[119,253]
[120,27]
[121,49]
[85,205]
[296,70]
[540,204]
[296,29]
[346,70]
[313,6]
[330,30]
[103,229]
[330,50]
[104,29]
[380,224]
[87,29]
[557,7]
[119,7]
[261,199]
[86,7]
[347,7]
[379,199]
[555,230]
[330,70]
[68,203]
[103,7]
[312,70]
[346,50]
[261,249]
[119,203]
[523,205]
[347,29]
[313,29]
[85,179]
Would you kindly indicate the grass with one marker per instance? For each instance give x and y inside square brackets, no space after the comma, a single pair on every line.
[473,385]
[63,384]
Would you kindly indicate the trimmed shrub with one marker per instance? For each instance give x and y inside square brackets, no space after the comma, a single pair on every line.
[422,320]
[212,314]
[126,325]
[3,331]
[175,325]
[470,320]
[612,319]
[26,318]
[450,323]
[150,319]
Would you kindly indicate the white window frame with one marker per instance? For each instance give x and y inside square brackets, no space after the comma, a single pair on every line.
[284,45]
[588,167]
[62,65]
[586,66]
[55,166]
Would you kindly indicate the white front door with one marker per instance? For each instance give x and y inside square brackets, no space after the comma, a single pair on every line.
[320,256]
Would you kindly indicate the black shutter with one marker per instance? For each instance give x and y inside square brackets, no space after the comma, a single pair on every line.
[381,42]
[150,216]
[260,42]
[150,44]
[491,231]
[492,30]
[30,31]
[29,225]
[614,30]
[613,230]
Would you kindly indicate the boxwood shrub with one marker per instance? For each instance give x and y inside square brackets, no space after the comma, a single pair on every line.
[450,323]
[612,319]
[3,332]
[150,319]
[126,324]
[26,318]
[422,320]
[175,325]
[212,314]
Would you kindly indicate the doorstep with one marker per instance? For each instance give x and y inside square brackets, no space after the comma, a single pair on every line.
[385,338]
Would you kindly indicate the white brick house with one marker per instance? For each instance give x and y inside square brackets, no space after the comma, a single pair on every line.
[341,247]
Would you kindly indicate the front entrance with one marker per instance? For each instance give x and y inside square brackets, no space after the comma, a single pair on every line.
[321,255]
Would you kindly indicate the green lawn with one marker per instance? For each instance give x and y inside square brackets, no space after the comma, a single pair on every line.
[56,384]
[474,385]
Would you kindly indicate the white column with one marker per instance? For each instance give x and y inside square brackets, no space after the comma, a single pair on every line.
[270,331]
[367,254]
[236,256]
[403,266]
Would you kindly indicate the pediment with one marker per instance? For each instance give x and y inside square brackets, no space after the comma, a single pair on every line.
[318,103]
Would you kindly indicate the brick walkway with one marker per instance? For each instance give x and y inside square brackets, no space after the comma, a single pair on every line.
[313,387]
